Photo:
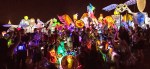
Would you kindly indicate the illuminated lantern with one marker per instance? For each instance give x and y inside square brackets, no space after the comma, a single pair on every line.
[100,18]
[141,4]
[98,43]
[84,15]
[26,17]
[89,45]
[61,51]
[116,13]
[75,17]
[121,8]
[69,62]
[55,22]
[140,18]
[67,19]
[3,33]
[127,17]
[24,22]
[79,24]
[9,22]
[9,43]
[32,20]
[110,21]
[53,58]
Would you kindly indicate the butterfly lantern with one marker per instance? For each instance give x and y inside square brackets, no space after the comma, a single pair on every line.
[121,7]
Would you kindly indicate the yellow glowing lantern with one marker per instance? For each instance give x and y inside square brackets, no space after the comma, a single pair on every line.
[69,62]
[116,13]
[75,17]
[110,21]
[100,18]
[26,17]
[127,17]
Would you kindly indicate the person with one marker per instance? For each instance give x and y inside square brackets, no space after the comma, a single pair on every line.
[21,55]
[6,52]
[124,34]
[75,39]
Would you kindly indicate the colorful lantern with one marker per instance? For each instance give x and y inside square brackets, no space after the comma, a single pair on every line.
[26,17]
[100,18]
[110,21]
[79,24]
[140,18]
[127,17]
[141,4]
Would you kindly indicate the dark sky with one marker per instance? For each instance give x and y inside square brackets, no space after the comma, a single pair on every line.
[14,10]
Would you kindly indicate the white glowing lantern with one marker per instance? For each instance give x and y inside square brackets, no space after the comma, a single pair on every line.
[3,33]
[32,20]
[75,17]
[9,22]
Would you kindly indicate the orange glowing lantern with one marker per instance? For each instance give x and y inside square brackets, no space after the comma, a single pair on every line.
[79,24]
[53,58]
[110,21]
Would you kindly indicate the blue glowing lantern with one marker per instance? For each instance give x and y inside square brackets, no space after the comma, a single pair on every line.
[140,18]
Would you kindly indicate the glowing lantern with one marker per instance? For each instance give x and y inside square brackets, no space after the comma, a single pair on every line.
[67,19]
[26,17]
[32,20]
[9,43]
[141,4]
[79,24]
[69,62]
[55,22]
[9,22]
[116,13]
[84,15]
[53,58]
[75,17]
[140,18]
[100,18]
[127,17]
[3,33]
[109,20]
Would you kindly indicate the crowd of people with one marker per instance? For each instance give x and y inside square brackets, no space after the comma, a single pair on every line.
[88,47]
[89,43]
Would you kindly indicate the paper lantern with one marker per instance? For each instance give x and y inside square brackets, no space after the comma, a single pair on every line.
[100,18]
[141,4]
[121,8]
[55,22]
[79,24]
[127,17]
[116,13]
[69,62]
[9,22]
[109,20]
[84,15]
[67,19]
[53,58]
[140,18]
[26,17]
[75,17]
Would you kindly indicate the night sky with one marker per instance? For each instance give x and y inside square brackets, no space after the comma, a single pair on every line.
[14,10]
